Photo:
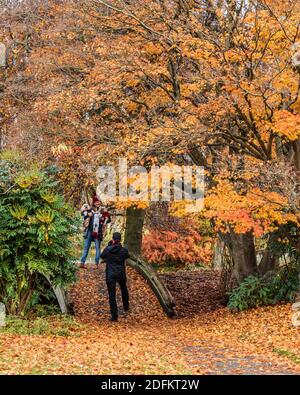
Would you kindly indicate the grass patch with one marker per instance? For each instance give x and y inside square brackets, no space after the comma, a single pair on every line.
[288,354]
[57,325]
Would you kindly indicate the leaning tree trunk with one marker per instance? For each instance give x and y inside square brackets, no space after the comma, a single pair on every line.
[134,230]
[133,241]
[62,298]
[242,251]
[162,293]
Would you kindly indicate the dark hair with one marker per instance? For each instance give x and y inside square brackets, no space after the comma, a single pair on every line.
[117,236]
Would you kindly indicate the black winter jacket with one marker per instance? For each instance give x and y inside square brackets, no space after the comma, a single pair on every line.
[115,256]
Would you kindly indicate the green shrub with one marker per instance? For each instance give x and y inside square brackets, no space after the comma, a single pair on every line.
[35,229]
[254,291]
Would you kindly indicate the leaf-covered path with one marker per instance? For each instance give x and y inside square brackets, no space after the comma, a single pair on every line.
[209,340]
[196,293]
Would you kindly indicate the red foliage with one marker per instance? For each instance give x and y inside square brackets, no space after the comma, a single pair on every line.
[170,247]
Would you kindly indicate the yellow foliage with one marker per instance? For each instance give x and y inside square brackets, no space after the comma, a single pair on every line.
[256,211]
[18,212]
[28,179]
[287,124]
[45,216]
[49,197]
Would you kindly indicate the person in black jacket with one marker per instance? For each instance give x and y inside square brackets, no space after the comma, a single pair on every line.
[115,256]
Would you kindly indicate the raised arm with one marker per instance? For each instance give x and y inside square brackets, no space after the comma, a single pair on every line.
[104,253]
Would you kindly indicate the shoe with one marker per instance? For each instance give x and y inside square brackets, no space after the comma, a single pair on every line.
[82,266]
[126,309]
[113,319]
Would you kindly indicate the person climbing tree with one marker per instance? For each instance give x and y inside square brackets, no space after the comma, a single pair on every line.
[115,256]
[95,220]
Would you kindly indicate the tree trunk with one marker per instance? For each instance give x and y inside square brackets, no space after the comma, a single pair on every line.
[158,287]
[62,298]
[242,250]
[240,246]
[269,259]
[296,149]
[134,230]
[268,262]
[218,251]
[133,241]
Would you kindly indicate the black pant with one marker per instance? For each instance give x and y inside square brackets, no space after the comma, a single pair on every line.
[111,281]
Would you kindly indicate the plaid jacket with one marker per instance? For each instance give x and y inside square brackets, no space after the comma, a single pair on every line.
[88,222]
